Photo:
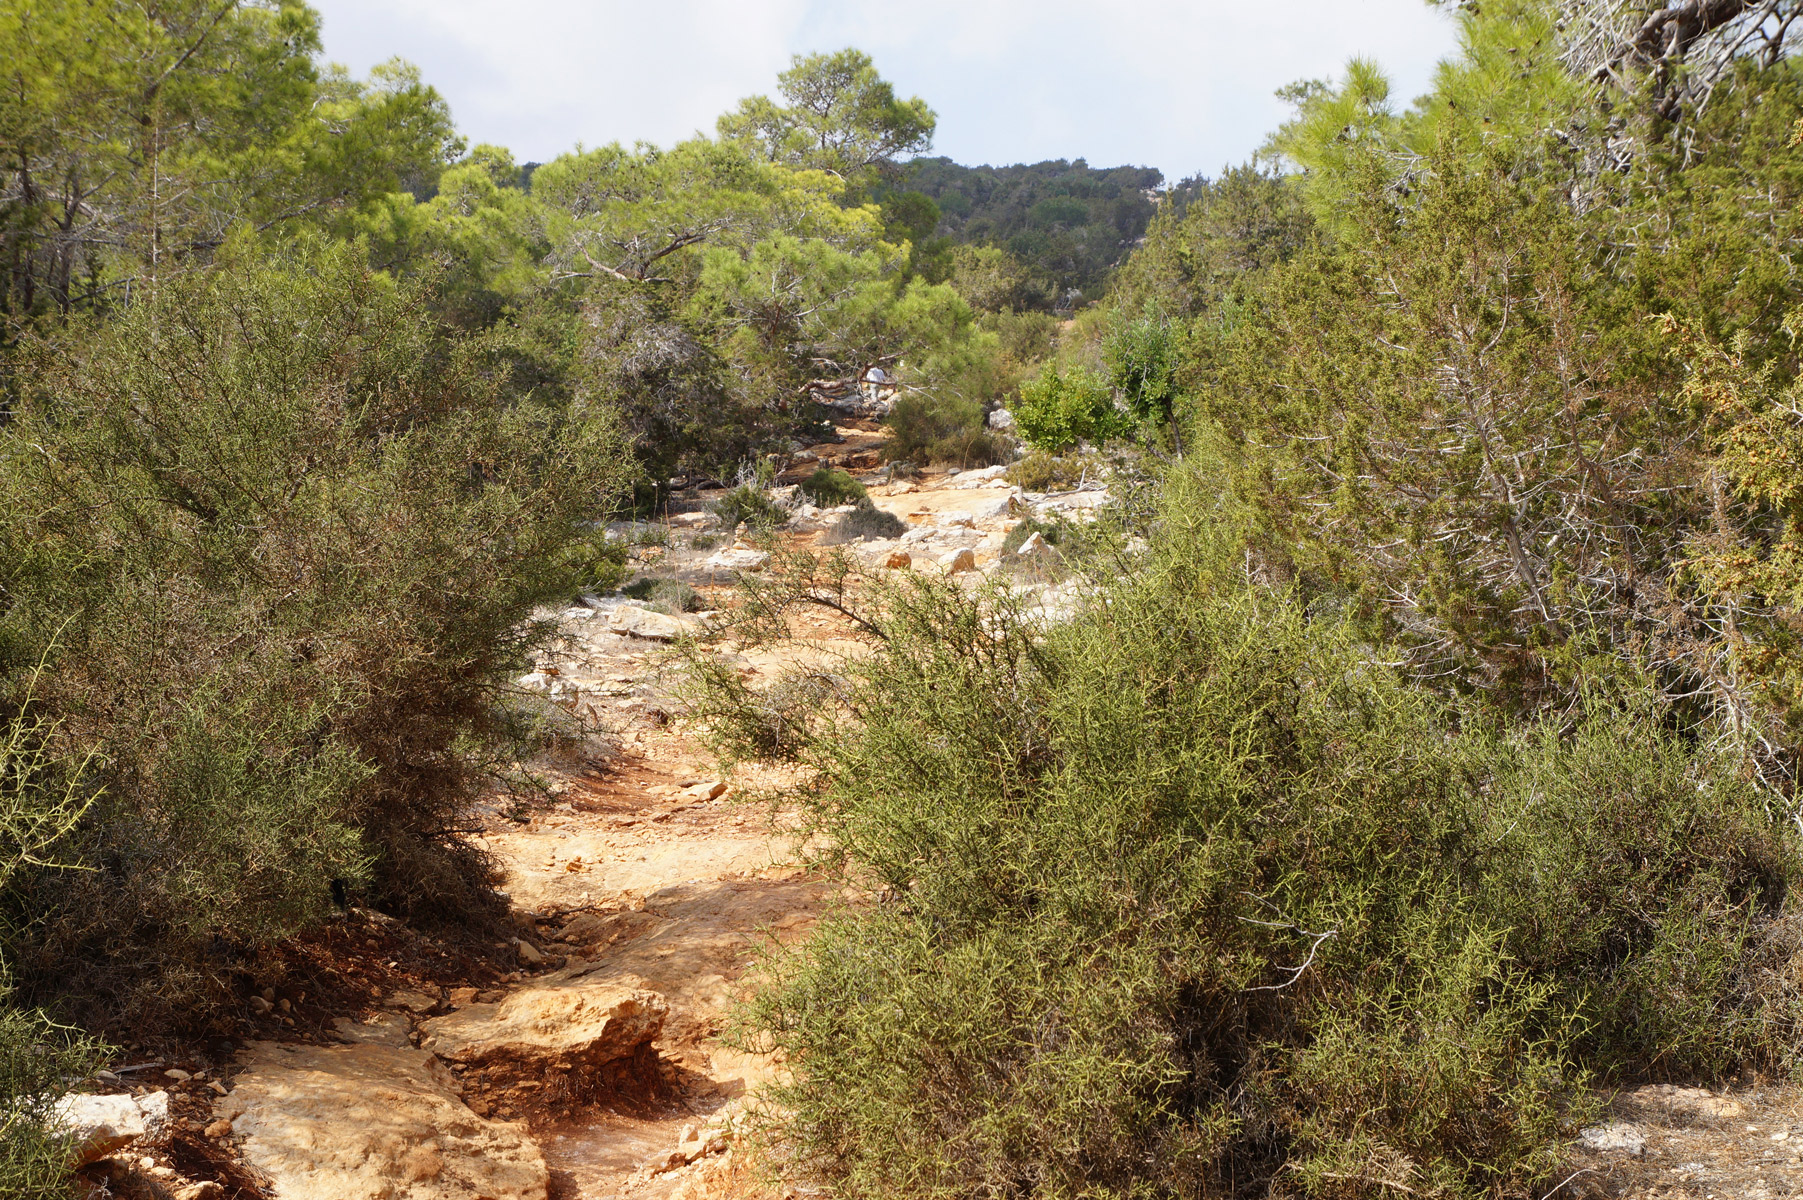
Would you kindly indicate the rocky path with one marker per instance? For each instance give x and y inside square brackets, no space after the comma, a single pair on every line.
[582,1057]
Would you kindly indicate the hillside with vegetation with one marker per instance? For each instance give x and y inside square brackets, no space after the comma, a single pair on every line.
[1321,718]
[1064,225]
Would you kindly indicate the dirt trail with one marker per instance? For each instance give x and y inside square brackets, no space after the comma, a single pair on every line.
[638,875]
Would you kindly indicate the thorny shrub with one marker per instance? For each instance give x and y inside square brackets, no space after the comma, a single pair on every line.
[1190,893]
[276,536]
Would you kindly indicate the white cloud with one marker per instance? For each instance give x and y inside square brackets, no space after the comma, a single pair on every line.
[1182,85]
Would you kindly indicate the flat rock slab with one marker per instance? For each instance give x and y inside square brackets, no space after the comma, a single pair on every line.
[380,1029]
[100,1125]
[1682,1105]
[373,1122]
[560,1024]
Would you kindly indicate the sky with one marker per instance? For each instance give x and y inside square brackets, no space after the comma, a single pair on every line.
[1181,85]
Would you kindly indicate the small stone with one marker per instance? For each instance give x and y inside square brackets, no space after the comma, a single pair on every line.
[260,1006]
[177,1074]
[899,560]
[217,1087]
[412,1001]
[1616,1136]
[529,954]
[963,560]
[1033,543]
[205,1190]
[218,1129]
[708,791]
[463,997]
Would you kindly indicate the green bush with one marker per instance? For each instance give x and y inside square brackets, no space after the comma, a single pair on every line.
[942,429]
[865,522]
[39,1061]
[1143,356]
[276,536]
[668,595]
[750,504]
[1043,472]
[830,487]
[596,563]
[43,796]
[1059,409]
[1191,894]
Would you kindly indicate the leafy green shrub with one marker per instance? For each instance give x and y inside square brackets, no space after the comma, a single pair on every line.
[942,429]
[750,504]
[276,536]
[597,563]
[1142,357]
[830,487]
[1191,894]
[864,522]
[668,595]
[1043,472]
[1058,409]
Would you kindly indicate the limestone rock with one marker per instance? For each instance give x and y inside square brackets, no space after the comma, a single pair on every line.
[373,1123]
[103,1124]
[995,506]
[412,1001]
[900,560]
[379,1029]
[641,622]
[1616,1136]
[1685,1103]
[963,560]
[739,560]
[561,1023]
[1001,418]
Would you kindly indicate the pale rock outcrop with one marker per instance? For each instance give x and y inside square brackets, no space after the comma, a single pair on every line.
[372,1122]
[379,1029]
[993,507]
[1617,1136]
[561,1024]
[642,622]
[102,1124]
[739,560]
[1669,1102]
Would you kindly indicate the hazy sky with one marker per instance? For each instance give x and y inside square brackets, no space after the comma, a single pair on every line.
[1182,85]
